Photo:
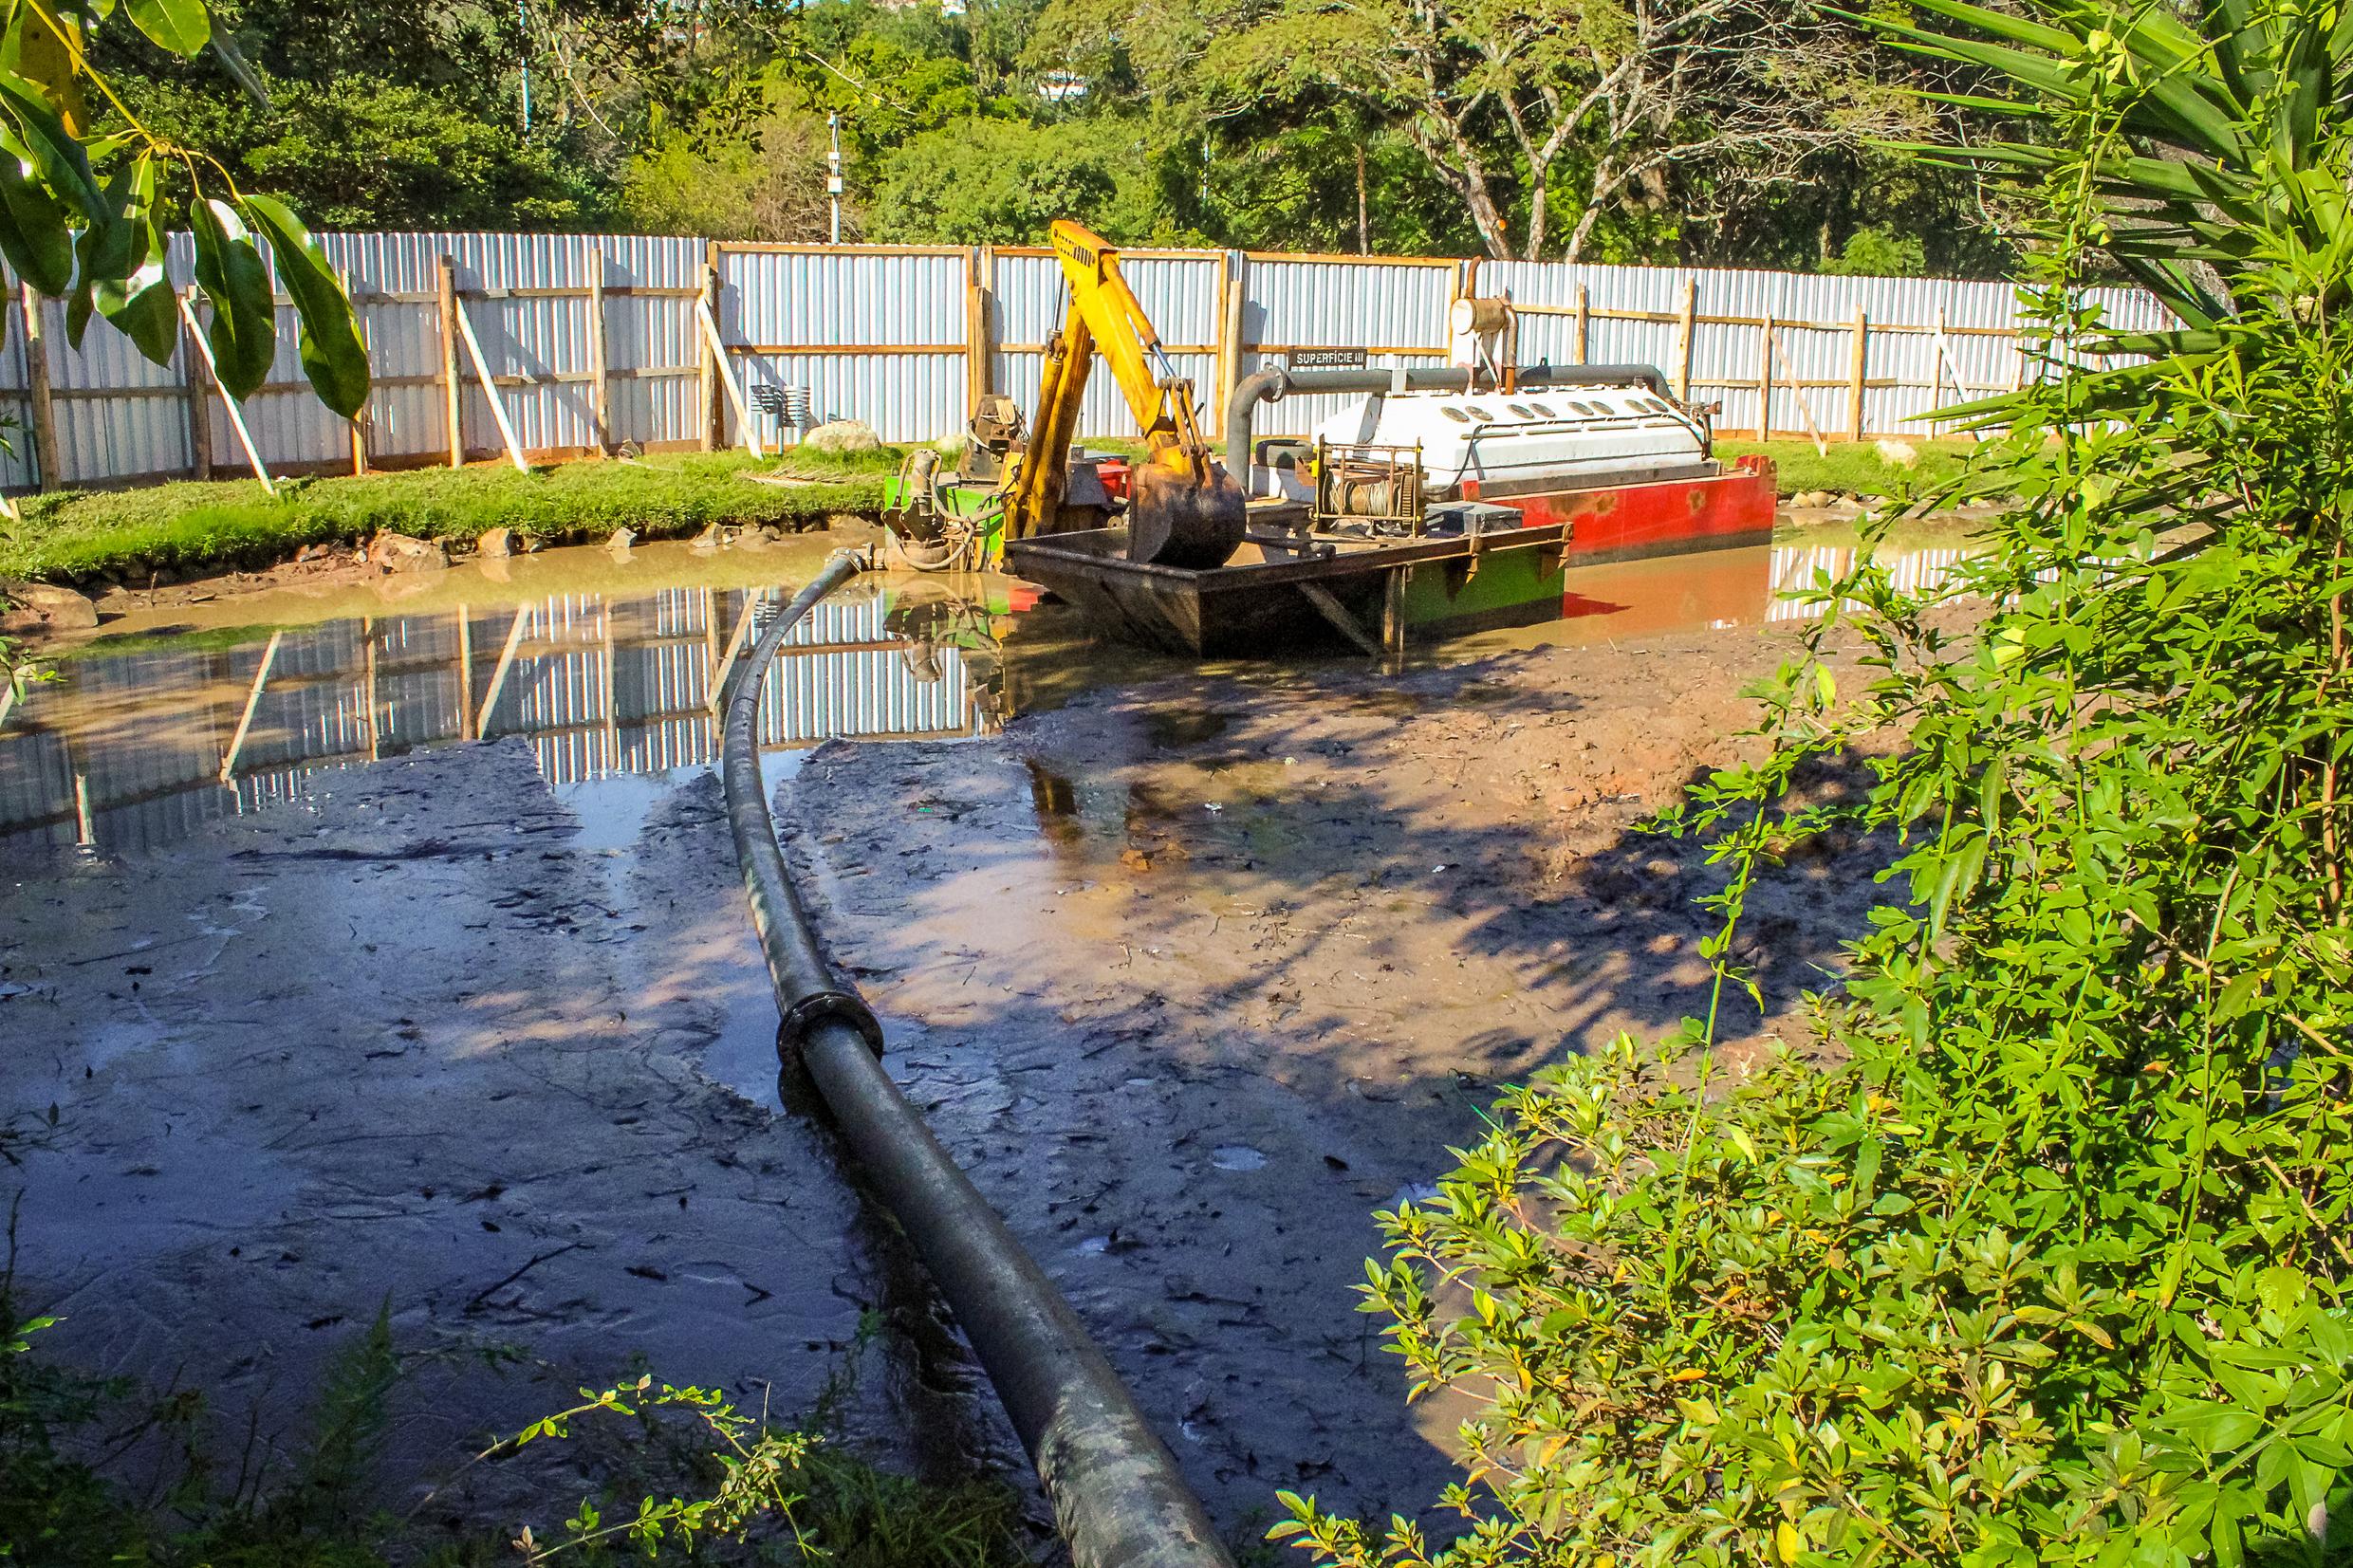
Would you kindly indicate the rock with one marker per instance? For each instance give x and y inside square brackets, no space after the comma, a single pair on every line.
[710,539]
[28,609]
[399,552]
[1810,498]
[843,435]
[495,543]
[1900,455]
[620,539]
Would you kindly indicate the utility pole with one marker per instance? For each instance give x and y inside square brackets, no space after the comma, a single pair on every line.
[833,172]
[523,21]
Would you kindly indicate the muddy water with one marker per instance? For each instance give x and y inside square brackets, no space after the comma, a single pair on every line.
[383,944]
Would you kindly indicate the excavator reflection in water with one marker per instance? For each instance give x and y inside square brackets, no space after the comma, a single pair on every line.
[1182,508]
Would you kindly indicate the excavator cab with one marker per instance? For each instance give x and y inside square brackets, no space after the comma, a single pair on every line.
[1183,508]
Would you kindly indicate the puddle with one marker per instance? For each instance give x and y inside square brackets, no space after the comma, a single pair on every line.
[1172,728]
[1713,590]
[604,665]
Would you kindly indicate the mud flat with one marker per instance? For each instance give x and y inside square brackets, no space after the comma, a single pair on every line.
[1193,972]
[411,1041]
[1197,976]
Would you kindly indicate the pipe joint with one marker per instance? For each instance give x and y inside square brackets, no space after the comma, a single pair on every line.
[808,1011]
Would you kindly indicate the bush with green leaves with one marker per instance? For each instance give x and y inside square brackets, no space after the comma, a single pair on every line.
[2042,1255]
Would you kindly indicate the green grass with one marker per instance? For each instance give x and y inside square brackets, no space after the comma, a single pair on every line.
[78,535]
[1850,468]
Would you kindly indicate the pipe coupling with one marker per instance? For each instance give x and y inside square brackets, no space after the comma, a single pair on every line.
[806,1014]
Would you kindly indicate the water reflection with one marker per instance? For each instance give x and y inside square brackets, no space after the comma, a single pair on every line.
[134,748]
[139,742]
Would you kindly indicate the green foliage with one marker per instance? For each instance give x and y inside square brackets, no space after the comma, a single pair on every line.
[753,1492]
[1005,183]
[786,1492]
[58,1510]
[83,214]
[71,535]
[1871,252]
[2044,1261]
[766,181]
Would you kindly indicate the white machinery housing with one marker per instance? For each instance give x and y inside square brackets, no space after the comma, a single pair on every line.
[1525,443]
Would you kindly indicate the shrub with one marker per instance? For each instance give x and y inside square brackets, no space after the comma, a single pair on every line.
[2045,1263]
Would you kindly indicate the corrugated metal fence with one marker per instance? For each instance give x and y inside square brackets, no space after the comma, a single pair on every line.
[592,341]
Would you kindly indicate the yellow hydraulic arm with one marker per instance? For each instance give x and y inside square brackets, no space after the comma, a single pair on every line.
[1183,509]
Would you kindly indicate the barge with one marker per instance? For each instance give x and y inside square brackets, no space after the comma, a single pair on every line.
[1437,501]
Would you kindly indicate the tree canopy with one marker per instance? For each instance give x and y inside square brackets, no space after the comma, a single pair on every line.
[1702,131]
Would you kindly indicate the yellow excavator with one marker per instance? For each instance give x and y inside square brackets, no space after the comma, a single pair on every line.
[1183,509]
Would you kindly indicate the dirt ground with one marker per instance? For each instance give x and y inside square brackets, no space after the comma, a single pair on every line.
[1194,976]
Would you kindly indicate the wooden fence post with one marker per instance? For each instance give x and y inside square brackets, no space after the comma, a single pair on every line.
[360,421]
[599,381]
[37,378]
[707,366]
[979,283]
[1231,310]
[199,395]
[1683,340]
[1584,327]
[1861,359]
[452,389]
[1764,383]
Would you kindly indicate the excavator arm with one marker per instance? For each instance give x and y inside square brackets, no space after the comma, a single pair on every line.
[1183,509]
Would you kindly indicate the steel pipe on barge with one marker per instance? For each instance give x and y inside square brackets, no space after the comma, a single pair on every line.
[1116,1495]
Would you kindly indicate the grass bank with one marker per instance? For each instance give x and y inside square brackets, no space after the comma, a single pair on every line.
[75,536]
[1850,468]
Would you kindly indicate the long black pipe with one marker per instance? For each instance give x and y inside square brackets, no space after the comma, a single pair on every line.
[1117,1494]
[1269,386]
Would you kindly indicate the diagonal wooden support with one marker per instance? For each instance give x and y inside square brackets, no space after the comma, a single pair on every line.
[1337,613]
[727,378]
[489,390]
[236,415]
[252,702]
[498,675]
[1797,392]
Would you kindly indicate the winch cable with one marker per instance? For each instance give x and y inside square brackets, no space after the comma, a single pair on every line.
[1116,1495]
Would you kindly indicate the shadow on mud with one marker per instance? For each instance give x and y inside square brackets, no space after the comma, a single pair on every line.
[1196,977]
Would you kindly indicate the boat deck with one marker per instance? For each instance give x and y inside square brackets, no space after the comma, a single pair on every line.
[1281,593]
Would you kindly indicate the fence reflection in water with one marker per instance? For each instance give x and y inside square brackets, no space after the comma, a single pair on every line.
[134,749]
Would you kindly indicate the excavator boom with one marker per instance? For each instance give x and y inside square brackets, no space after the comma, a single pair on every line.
[1183,508]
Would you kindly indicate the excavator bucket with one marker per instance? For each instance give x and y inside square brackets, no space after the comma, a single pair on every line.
[1177,520]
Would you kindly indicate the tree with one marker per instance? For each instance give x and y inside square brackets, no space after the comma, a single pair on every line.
[1585,101]
[766,182]
[1004,182]
[2043,1259]
[84,215]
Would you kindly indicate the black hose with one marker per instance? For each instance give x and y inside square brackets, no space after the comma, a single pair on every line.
[1116,1491]
[1269,386]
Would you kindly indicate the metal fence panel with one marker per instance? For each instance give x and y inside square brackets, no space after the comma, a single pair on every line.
[1394,309]
[872,334]
[1179,292]
[879,334]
